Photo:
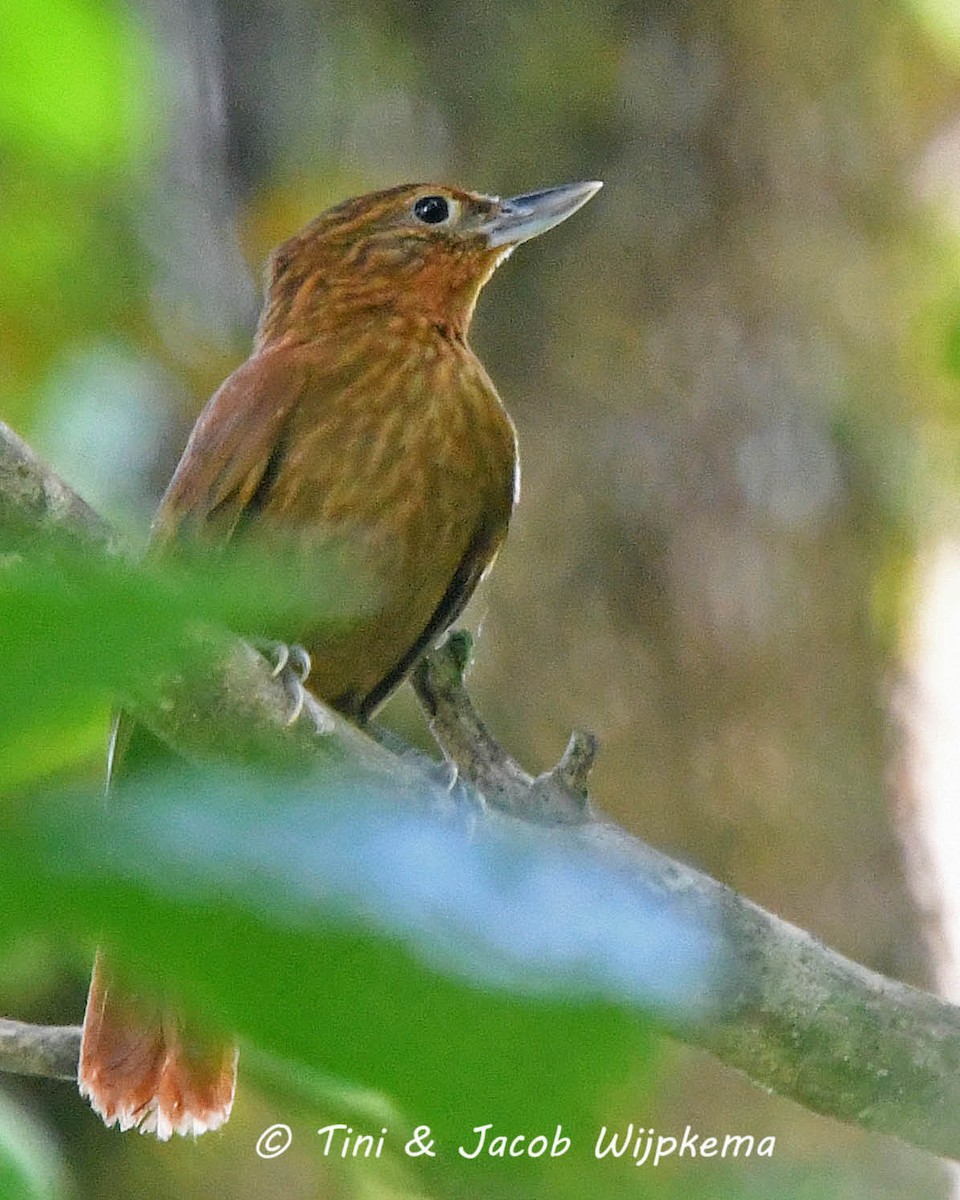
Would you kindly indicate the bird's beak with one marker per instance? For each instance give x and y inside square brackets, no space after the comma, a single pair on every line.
[523,217]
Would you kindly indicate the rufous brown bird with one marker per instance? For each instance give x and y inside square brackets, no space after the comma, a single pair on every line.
[362,417]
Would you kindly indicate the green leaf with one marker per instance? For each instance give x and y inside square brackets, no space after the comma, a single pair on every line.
[30,1169]
[81,632]
[72,79]
[471,973]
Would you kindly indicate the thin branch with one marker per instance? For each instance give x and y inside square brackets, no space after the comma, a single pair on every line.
[557,798]
[35,499]
[798,1018]
[49,1050]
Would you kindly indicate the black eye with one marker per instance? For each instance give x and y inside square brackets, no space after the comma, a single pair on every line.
[431,209]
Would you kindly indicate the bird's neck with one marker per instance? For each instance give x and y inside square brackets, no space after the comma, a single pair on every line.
[429,293]
[409,354]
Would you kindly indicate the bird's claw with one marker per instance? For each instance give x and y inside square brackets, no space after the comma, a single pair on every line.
[283,657]
[444,774]
[291,665]
[298,695]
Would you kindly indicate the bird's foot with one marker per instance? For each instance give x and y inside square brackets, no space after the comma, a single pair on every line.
[443,772]
[445,776]
[291,665]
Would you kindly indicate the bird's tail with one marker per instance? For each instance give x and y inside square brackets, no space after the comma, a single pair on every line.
[141,1069]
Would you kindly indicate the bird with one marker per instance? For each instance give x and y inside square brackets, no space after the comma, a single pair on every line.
[362,418]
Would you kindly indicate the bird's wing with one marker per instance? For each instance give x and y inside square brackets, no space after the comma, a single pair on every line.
[234,452]
[232,455]
[473,566]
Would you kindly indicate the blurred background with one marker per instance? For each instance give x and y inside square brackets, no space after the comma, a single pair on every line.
[736,382]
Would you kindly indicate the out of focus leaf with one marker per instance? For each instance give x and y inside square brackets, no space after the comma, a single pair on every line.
[76,118]
[81,632]
[468,973]
[71,82]
[29,1167]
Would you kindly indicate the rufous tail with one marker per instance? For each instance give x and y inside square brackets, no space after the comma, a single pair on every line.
[141,1069]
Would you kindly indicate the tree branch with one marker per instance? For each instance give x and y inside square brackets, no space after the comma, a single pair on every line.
[797,1019]
[35,499]
[49,1050]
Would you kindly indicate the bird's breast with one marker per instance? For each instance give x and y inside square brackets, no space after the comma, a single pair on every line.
[423,447]
[412,468]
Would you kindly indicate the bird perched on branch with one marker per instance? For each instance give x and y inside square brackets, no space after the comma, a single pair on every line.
[361,417]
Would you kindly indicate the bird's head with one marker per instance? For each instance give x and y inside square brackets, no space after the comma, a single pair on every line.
[421,250]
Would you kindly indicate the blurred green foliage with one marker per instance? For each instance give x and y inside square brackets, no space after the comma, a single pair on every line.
[395,950]
[92,54]
[82,632]
[30,1167]
[193,883]
[75,124]
[190,879]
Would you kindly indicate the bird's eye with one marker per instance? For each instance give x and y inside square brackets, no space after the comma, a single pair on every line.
[432,210]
